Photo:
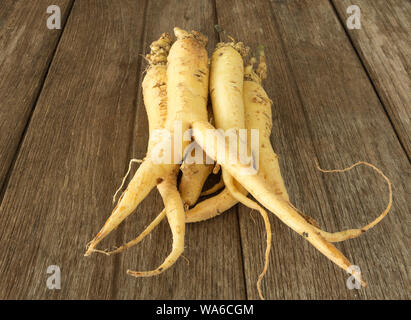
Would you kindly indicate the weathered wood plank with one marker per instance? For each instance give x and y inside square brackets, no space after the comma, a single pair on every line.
[213,247]
[384,45]
[324,107]
[26,49]
[75,149]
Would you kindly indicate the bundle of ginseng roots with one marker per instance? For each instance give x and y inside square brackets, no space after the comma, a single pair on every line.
[176,87]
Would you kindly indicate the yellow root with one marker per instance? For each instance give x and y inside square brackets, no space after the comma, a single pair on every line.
[175,215]
[192,181]
[226,91]
[144,180]
[187,86]
[194,175]
[211,207]
[170,67]
[258,114]
[139,238]
[148,174]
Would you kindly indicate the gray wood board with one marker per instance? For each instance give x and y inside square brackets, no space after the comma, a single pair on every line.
[384,45]
[26,50]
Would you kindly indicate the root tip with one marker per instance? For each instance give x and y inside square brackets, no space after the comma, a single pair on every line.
[88,252]
[136,274]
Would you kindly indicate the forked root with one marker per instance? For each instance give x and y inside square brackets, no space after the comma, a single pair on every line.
[139,238]
[149,174]
[144,180]
[176,217]
[202,211]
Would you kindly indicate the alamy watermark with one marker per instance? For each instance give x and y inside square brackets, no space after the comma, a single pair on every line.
[54,281]
[54,20]
[354,20]
[168,147]
[352,281]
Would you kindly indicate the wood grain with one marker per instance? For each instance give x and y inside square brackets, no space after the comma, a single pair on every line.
[89,120]
[325,108]
[73,154]
[384,45]
[213,248]
[26,49]
[73,157]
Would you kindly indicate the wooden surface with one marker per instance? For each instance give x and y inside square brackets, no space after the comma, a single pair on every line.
[26,50]
[384,46]
[71,116]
